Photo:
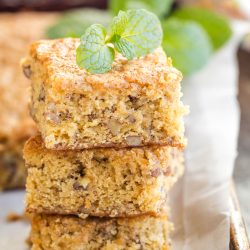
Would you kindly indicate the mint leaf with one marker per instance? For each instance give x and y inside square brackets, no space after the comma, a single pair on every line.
[216,26]
[124,47]
[119,23]
[73,23]
[93,53]
[187,43]
[117,28]
[136,33]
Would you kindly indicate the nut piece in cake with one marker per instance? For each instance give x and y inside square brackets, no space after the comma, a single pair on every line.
[137,103]
[55,232]
[100,182]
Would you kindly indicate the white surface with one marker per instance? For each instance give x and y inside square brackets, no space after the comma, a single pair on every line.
[245,6]
[200,204]
[12,235]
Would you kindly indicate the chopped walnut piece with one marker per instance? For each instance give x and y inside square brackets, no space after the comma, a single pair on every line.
[133,140]
[156,172]
[131,119]
[51,114]
[114,126]
[27,71]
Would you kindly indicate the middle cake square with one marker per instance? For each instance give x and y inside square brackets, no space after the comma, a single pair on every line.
[100,182]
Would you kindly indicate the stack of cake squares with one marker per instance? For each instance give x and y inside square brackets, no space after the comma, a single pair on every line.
[109,150]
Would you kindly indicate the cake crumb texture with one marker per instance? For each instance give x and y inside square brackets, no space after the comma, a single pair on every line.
[54,232]
[137,103]
[100,182]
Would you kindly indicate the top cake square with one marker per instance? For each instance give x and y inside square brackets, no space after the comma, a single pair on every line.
[137,103]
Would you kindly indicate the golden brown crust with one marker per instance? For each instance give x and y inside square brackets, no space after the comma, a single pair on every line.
[152,71]
[62,212]
[36,143]
[171,142]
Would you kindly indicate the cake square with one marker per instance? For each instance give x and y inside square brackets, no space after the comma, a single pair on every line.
[137,103]
[55,232]
[100,182]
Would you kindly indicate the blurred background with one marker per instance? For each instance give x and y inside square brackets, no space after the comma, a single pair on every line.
[194,30]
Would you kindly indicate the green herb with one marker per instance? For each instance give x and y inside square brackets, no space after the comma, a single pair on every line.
[187,43]
[119,39]
[134,33]
[94,54]
[159,7]
[73,23]
[216,26]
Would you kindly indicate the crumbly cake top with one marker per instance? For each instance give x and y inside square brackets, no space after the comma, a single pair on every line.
[18,30]
[59,60]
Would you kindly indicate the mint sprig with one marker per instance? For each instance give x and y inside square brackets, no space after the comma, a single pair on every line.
[133,33]
[136,33]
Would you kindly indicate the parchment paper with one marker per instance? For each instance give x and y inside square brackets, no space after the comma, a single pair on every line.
[200,201]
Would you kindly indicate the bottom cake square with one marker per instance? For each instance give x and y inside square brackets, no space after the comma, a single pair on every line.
[57,232]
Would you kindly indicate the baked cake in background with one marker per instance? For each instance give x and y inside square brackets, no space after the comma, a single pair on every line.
[18,30]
